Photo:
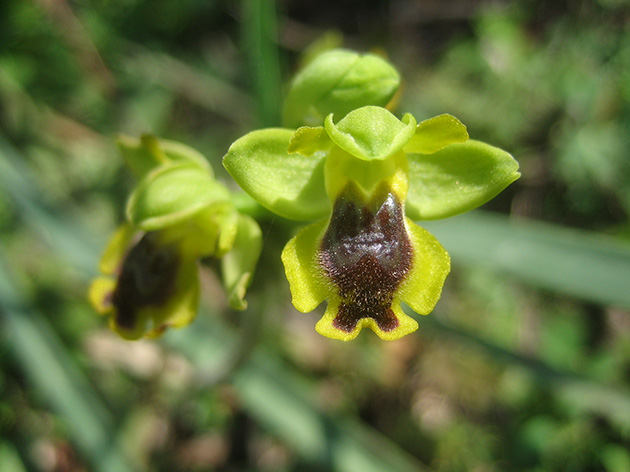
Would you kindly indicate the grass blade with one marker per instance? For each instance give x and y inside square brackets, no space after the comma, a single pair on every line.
[584,265]
[259,30]
[53,373]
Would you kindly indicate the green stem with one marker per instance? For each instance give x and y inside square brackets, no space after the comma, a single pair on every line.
[261,48]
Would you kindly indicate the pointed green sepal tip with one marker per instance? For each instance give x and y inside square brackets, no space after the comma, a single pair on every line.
[371,133]
[172,193]
[290,185]
[457,178]
[338,82]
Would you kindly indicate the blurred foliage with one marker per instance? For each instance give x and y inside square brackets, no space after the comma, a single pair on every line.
[525,365]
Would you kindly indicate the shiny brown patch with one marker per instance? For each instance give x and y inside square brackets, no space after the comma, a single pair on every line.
[367,253]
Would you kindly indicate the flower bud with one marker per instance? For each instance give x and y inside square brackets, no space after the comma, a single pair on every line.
[337,82]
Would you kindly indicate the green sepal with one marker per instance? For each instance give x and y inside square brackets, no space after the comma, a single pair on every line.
[237,265]
[144,154]
[338,82]
[456,179]
[371,133]
[290,185]
[308,140]
[436,133]
[170,194]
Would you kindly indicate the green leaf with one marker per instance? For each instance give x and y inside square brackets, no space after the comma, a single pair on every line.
[284,401]
[371,133]
[586,265]
[291,185]
[170,194]
[237,266]
[10,459]
[260,35]
[52,370]
[338,82]
[456,179]
[144,154]
[436,133]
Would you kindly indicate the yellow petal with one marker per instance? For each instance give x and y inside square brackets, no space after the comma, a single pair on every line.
[100,293]
[116,249]
[431,264]
[306,279]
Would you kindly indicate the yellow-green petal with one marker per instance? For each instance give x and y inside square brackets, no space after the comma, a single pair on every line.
[147,152]
[422,287]
[100,293]
[301,265]
[116,249]
[325,326]
[290,185]
[237,266]
[436,133]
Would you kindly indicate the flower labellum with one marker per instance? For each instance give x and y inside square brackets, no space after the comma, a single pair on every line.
[178,214]
[367,254]
[154,286]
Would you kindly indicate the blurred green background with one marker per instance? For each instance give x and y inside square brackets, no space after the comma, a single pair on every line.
[524,365]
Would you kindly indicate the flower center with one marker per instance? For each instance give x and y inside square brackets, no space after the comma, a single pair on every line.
[367,254]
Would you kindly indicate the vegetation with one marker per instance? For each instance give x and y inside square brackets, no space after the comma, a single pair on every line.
[523,366]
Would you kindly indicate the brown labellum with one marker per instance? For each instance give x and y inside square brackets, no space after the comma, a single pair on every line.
[147,278]
[367,253]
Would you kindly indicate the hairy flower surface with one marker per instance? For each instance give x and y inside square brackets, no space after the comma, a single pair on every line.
[362,176]
[365,260]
